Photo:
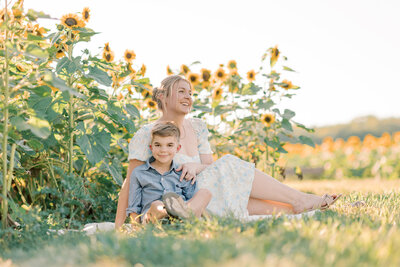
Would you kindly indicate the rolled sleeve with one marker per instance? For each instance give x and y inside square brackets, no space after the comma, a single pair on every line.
[135,196]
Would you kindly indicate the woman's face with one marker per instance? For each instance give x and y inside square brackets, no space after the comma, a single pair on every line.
[180,100]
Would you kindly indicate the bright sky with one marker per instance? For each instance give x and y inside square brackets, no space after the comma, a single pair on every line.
[346,52]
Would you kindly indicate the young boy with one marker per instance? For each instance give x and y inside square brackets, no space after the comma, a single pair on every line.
[158,180]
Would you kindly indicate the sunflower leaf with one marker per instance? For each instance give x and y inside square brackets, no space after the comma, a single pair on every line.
[306,140]
[60,84]
[99,76]
[288,114]
[286,125]
[132,110]
[265,105]
[288,69]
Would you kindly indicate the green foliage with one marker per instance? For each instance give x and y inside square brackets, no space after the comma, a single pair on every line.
[342,236]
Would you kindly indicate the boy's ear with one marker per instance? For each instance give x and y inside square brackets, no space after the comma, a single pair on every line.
[151,148]
[178,147]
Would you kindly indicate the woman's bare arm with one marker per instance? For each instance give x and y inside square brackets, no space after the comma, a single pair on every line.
[124,195]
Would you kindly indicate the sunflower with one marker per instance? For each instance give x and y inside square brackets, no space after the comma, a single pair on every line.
[184,69]
[288,85]
[205,75]
[232,65]
[169,70]
[220,74]
[129,55]
[3,15]
[146,94]
[108,56]
[20,67]
[38,31]
[274,55]
[267,119]
[72,21]
[86,14]
[17,12]
[61,49]
[194,78]
[143,70]
[234,72]
[217,93]
[107,47]
[251,76]
[151,104]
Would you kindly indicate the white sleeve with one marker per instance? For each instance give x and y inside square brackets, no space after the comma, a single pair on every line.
[200,127]
[139,144]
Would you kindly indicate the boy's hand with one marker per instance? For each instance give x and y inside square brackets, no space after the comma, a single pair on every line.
[189,171]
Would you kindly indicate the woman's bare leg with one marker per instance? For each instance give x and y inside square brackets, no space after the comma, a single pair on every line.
[267,207]
[267,188]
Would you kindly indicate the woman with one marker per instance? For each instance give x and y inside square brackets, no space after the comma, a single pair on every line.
[236,186]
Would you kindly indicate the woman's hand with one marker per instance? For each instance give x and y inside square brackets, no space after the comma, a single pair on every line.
[189,171]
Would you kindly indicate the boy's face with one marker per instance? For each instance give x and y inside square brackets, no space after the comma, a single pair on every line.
[164,148]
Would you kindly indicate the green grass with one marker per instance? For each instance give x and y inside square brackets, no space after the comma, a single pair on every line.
[342,236]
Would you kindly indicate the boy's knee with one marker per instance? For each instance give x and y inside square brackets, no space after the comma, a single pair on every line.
[156,204]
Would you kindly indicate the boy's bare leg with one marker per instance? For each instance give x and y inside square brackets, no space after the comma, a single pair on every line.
[198,203]
[155,212]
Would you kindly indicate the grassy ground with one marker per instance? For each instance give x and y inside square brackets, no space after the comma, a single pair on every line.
[342,236]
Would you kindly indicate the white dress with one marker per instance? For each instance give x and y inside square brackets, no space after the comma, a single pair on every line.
[229,179]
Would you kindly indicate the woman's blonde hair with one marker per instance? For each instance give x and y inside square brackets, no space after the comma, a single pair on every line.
[166,88]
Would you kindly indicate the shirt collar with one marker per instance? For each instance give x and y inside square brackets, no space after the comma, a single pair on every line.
[174,165]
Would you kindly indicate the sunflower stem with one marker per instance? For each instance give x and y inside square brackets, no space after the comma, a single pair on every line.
[4,202]
[71,112]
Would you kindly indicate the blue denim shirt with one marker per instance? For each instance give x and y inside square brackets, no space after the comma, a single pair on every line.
[148,185]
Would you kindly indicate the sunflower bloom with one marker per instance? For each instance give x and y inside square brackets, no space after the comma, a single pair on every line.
[251,76]
[108,56]
[288,85]
[220,74]
[146,94]
[184,69]
[17,13]
[205,75]
[194,78]
[234,72]
[107,47]
[267,119]
[274,55]
[232,65]
[169,70]
[151,104]
[72,21]
[61,49]
[129,55]
[86,14]
[217,93]
[20,68]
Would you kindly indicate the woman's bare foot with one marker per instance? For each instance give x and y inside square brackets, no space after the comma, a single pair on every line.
[311,202]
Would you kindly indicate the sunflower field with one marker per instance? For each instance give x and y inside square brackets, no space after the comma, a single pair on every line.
[67,116]
[377,157]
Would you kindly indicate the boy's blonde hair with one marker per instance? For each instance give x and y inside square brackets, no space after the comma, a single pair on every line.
[165,129]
